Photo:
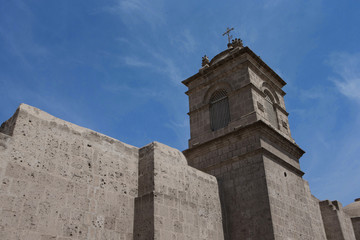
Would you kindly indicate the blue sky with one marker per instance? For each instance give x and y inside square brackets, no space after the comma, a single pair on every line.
[116,66]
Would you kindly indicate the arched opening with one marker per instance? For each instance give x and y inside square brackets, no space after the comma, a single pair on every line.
[270,109]
[219,110]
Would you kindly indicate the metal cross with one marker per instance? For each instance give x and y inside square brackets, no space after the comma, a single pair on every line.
[228,30]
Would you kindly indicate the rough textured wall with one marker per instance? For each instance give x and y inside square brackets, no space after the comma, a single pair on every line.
[245,199]
[178,201]
[234,78]
[290,205]
[264,82]
[313,208]
[353,211]
[62,181]
[237,163]
[337,224]
[356,225]
[346,224]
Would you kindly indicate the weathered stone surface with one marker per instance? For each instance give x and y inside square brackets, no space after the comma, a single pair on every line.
[61,181]
[253,157]
[356,225]
[177,201]
[353,211]
[337,224]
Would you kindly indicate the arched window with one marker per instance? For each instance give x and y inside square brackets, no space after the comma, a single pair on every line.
[270,109]
[219,110]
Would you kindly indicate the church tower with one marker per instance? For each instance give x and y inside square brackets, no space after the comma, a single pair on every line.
[239,132]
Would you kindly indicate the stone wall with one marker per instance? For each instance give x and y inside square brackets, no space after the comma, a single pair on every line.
[290,205]
[356,225]
[337,224]
[245,199]
[314,211]
[62,181]
[232,77]
[178,201]
[237,163]
[261,185]
[264,82]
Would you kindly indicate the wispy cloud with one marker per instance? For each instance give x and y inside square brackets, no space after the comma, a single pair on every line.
[55,104]
[332,149]
[314,93]
[13,47]
[125,88]
[135,62]
[347,69]
[184,40]
[170,70]
[19,37]
[157,62]
[180,127]
[272,4]
[138,12]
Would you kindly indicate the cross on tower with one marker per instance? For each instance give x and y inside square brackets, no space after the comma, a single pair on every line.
[228,30]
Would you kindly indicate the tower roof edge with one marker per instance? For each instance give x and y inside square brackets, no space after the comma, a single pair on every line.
[222,58]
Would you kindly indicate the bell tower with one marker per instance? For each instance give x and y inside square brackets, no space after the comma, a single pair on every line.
[234,89]
[239,132]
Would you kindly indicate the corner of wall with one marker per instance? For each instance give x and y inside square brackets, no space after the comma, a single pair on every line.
[175,201]
[336,223]
[8,126]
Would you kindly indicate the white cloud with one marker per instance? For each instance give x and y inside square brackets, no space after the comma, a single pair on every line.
[170,69]
[134,12]
[314,93]
[347,69]
[135,62]
[272,4]
[159,63]
[185,41]
[135,91]
[180,127]
[123,40]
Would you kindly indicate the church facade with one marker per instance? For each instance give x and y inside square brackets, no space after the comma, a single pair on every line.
[239,179]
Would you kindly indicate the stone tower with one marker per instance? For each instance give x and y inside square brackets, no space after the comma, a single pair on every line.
[240,134]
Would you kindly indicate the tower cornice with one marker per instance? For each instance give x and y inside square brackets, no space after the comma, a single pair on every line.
[232,54]
[285,142]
